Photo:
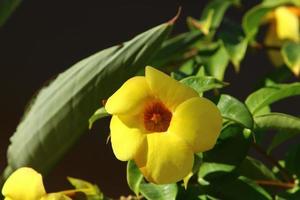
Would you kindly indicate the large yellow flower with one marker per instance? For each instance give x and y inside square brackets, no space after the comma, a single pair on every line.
[160,123]
[24,184]
[284,25]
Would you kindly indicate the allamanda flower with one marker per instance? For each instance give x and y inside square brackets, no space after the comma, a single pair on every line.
[27,184]
[284,26]
[160,123]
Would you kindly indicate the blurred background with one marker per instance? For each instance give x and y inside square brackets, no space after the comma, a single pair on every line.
[44,38]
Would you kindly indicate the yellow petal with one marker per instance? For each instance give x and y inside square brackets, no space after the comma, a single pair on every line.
[125,138]
[197,121]
[129,97]
[287,24]
[168,90]
[24,184]
[168,158]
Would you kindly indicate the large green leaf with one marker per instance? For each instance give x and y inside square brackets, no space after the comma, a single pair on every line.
[268,95]
[291,56]
[159,192]
[6,9]
[287,126]
[203,83]
[60,113]
[234,110]
[174,48]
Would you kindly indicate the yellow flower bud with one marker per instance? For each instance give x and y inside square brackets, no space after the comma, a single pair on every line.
[160,123]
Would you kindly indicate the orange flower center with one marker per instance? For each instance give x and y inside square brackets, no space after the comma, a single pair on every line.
[157,117]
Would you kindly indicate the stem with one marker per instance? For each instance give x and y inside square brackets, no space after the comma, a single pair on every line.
[275,183]
[285,174]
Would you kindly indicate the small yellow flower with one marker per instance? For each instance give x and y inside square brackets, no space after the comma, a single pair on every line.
[284,25]
[160,123]
[24,184]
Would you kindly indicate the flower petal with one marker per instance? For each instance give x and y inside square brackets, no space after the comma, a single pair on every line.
[125,140]
[197,121]
[165,159]
[129,97]
[24,184]
[287,24]
[168,90]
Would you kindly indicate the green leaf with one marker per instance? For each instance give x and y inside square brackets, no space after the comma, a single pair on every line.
[215,61]
[91,191]
[134,177]
[60,113]
[7,7]
[174,48]
[235,44]
[100,113]
[242,188]
[203,83]
[159,192]
[213,13]
[255,169]
[224,157]
[234,110]
[291,56]
[287,127]
[292,160]
[268,95]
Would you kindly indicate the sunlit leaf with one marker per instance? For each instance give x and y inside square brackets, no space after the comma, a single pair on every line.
[268,95]
[291,56]
[100,113]
[159,192]
[203,83]
[234,110]
[60,113]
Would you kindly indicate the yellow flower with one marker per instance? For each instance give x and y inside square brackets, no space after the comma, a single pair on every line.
[24,184]
[160,123]
[284,25]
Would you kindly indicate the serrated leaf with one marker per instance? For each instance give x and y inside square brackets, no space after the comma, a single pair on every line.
[203,83]
[255,169]
[234,110]
[60,113]
[287,127]
[268,95]
[100,113]
[291,56]
[7,7]
[134,177]
[159,192]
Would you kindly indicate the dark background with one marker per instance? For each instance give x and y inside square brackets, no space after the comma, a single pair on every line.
[44,38]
